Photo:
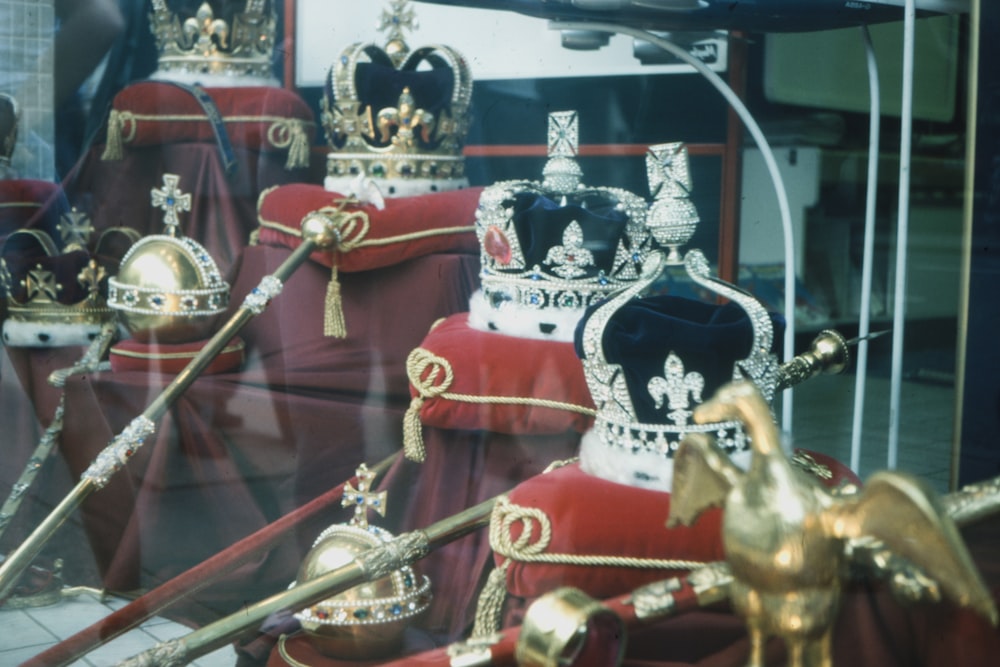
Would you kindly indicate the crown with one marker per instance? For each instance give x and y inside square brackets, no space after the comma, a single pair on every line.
[168,286]
[396,115]
[206,49]
[366,621]
[550,249]
[10,116]
[649,361]
[56,293]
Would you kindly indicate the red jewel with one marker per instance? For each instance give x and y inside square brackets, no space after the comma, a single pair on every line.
[496,245]
[570,258]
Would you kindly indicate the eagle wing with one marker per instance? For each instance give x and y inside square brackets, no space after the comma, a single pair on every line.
[703,477]
[907,516]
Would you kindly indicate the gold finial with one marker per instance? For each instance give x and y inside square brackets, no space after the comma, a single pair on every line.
[393,21]
[363,498]
[171,200]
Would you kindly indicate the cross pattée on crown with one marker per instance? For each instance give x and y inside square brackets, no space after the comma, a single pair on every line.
[362,498]
[668,171]
[171,200]
[564,134]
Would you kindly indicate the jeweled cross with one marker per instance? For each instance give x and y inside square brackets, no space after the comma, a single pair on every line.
[362,497]
[395,19]
[667,170]
[75,229]
[171,200]
[564,134]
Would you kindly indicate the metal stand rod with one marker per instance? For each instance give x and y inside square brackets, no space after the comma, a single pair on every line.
[321,234]
[371,565]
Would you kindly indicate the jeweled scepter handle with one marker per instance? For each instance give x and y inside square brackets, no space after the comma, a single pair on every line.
[828,354]
[320,231]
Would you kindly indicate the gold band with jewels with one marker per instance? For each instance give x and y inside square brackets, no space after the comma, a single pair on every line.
[566,625]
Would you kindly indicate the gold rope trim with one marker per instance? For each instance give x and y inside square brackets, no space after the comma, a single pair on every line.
[524,550]
[236,347]
[368,243]
[284,132]
[431,376]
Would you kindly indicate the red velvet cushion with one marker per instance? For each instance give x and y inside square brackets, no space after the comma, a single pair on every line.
[509,372]
[22,200]
[408,227]
[153,113]
[593,517]
[129,355]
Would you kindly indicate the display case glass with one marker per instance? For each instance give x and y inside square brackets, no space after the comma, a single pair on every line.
[398,332]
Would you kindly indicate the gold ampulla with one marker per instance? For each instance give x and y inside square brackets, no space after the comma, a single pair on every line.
[786,538]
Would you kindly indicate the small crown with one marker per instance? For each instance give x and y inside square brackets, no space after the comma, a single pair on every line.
[649,361]
[168,284]
[551,249]
[389,119]
[366,621]
[56,293]
[203,45]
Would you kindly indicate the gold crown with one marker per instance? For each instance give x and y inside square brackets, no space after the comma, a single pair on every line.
[206,45]
[57,296]
[387,120]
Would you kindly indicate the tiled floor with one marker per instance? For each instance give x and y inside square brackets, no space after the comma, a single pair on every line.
[24,633]
[823,409]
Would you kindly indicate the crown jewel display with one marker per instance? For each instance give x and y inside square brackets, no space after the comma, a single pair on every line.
[236,53]
[168,286]
[56,291]
[649,362]
[366,621]
[550,249]
[391,120]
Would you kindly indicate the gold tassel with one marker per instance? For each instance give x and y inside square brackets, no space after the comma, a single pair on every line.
[254,237]
[413,432]
[298,149]
[333,319]
[489,608]
[113,144]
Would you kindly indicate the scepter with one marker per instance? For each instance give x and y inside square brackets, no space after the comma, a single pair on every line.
[321,230]
[370,565]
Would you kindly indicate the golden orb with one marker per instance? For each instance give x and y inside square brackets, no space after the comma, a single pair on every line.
[367,621]
[168,290]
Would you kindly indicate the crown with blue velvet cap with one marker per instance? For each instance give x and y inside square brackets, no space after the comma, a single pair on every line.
[396,115]
[650,361]
[552,248]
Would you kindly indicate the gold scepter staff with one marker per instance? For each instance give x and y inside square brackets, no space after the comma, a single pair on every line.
[321,230]
[370,565]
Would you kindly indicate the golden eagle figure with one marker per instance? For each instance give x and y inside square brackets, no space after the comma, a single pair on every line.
[785,536]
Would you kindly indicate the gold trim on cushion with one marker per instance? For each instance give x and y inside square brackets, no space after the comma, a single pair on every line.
[424,370]
[229,349]
[283,132]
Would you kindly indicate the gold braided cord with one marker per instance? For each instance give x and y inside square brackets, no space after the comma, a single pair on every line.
[431,376]
[367,243]
[520,400]
[284,132]
[524,550]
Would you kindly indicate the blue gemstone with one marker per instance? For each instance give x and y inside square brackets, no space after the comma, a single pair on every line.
[170,201]
[408,581]
[360,613]
[534,299]
[396,610]
[343,60]
[635,257]
[360,499]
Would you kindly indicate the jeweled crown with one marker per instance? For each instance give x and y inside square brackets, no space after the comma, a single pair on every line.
[234,52]
[550,249]
[57,291]
[650,361]
[395,115]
